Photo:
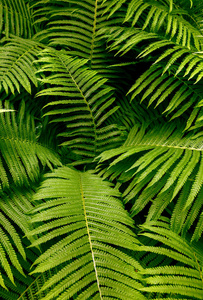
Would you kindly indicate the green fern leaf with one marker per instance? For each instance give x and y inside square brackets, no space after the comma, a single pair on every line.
[165,164]
[182,279]
[78,209]
[25,287]
[17,67]
[181,95]
[15,18]
[75,26]
[13,209]
[198,230]
[175,54]
[87,103]
[161,17]
[20,153]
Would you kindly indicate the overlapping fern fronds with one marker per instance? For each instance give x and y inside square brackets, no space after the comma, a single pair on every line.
[188,60]
[82,100]
[122,80]
[173,42]
[17,67]
[165,162]
[179,95]
[74,25]
[170,18]
[20,155]
[164,17]
[172,78]
[184,277]
[14,223]
[10,240]
[25,286]
[77,27]
[16,259]
[78,209]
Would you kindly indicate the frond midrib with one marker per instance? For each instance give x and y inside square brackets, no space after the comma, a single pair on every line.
[150,144]
[16,61]
[89,237]
[86,102]
[25,141]
[29,286]
[169,146]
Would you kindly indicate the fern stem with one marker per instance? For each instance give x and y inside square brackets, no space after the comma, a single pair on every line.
[89,237]
[28,288]
[95,134]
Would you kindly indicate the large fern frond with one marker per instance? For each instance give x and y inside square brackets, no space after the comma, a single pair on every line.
[184,277]
[166,163]
[82,100]
[175,21]
[93,230]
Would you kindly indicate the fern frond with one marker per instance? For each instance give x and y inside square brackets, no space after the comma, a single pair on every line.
[33,287]
[164,81]
[25,287]
[172,22]
[15,18]
[163,17]
[165,161]
[16,283]
[13,224]
[124,39]
[189,59]
[78,208]
[180,94]
[74,25]
[84,103]
[20,154]
[198,230]
[15,205]
[7,249]
[185,277]
[17,67]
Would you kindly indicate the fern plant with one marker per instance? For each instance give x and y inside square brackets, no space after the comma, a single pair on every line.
[170,167]
[184,276]
[79,220]
[101,164]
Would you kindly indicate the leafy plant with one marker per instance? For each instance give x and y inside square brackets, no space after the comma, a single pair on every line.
[101,152]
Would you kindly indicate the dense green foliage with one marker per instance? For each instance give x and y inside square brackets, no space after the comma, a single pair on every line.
[101,149]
